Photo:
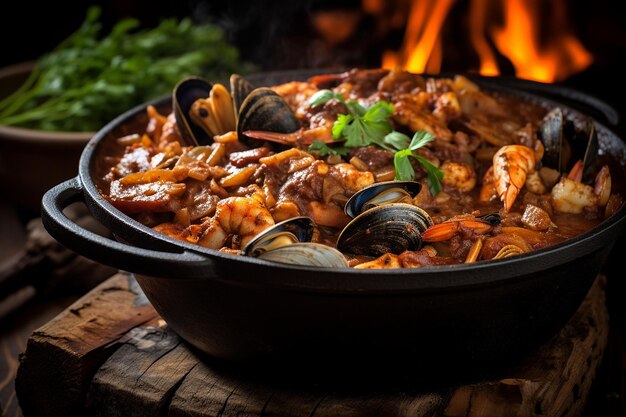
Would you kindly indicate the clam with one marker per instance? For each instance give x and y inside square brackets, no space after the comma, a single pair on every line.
[565,144]
[290,242]
[203,110]
[391,228]
[384,221]
[381,193]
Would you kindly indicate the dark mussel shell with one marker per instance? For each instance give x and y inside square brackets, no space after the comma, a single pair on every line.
[185,93]
[564,144]
[263,109]
[551,134]
[392,228]
[493,219]
[381,193]
[592,149]
[240,88]
[296,229]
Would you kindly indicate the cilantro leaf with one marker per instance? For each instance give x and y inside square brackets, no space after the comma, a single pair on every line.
[434,174]
[343,120]
[324,149]
[404,169]
[420,138]
[402,163]
[321,97]
[363,127]
[379,112]
[397,140]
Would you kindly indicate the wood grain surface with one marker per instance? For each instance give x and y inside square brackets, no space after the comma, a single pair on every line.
[109,354]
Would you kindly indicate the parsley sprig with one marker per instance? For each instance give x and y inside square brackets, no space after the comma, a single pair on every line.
[406,148]
[363,127]
[324,149]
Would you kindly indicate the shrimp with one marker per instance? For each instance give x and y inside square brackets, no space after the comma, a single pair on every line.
[511,165]
[245,217]
[458,175]
[570,195]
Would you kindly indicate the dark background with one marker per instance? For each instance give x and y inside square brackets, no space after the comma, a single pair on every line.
[280,34]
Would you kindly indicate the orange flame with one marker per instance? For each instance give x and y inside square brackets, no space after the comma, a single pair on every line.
[561,56]
[539,49]
[420,37]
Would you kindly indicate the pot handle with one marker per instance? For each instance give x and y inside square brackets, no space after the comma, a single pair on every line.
[111,252]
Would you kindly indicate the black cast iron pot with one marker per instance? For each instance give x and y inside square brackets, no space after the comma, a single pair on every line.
[246,310]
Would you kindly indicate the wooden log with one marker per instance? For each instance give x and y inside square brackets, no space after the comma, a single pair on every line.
[150,372]
[553,381]
[62,355]
[140,378]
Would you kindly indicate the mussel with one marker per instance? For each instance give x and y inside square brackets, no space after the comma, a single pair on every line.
[290,242]
[564,144]
[384,221]
[203,110]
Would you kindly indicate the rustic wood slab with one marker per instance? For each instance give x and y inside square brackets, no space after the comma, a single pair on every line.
[62,355]
[109,355]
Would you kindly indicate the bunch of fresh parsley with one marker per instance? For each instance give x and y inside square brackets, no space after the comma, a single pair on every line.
[88,79]
[364,127]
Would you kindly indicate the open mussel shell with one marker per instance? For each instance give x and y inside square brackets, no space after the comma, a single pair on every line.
[311,254]
[381,193]
[240,88]
[294,230]
[185,93]
[392,228]
[263,109]
[564,144]
[551,134]
[592,150]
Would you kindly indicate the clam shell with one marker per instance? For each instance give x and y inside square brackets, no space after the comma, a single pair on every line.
[381,193]
[290,231]
[391,228]
[311,254]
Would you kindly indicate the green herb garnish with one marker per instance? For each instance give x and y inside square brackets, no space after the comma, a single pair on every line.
[363,127]
[406,149]
[324,149]
[89,79]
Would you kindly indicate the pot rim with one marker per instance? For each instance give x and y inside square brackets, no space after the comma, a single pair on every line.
[431,278]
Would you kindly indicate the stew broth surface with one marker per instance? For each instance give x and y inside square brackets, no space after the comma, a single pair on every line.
[489,146]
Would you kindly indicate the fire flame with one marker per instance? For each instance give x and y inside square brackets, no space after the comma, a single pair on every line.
[533,35]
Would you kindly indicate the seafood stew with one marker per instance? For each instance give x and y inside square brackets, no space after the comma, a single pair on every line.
[364,169]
